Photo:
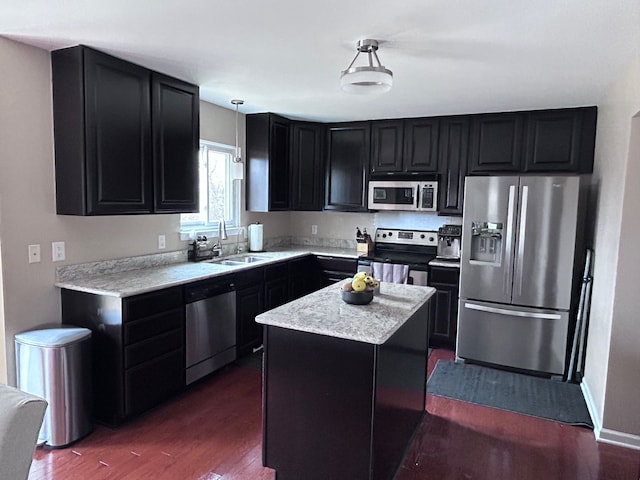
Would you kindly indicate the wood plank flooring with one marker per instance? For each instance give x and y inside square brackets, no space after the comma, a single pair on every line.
[213,432]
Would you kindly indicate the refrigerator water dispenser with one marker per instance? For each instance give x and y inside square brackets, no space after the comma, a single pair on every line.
[486,243]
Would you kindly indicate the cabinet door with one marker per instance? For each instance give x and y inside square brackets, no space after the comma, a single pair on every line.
[453,148]
[386,141]
[176,132]
[560,140]
[276,293]
[306,166]
[249,304]
[148,384]
[347,167]
[444,316]
[279,166]
[496,143]
[118,136]
[421,145]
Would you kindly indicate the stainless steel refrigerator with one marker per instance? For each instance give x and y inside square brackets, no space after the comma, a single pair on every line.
[519,270]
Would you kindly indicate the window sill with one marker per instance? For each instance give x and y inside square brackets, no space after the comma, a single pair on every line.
[212,232]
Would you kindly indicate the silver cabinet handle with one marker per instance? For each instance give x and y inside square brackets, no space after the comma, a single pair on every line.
[512,313]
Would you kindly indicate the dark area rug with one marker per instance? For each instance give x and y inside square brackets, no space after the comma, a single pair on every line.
[519,393]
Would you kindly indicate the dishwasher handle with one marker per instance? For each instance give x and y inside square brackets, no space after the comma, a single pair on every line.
[194,293]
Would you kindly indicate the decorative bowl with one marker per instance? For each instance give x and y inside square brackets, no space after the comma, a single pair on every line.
[357,298]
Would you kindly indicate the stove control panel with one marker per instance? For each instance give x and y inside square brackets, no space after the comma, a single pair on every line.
[425,238]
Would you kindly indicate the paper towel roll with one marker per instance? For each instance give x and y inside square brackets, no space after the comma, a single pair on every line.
[256,240]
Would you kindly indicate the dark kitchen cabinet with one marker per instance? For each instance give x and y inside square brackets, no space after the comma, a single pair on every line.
[307,172]
[276,285]
[453,151]
[421,145]
[268,167]
[176,138]
[126,138]
[496,143]
[444,307]
[138,348]
[560,140]
[335,269]
[347,166]
[407,146]
[304,276]
[249,304]
[387,146]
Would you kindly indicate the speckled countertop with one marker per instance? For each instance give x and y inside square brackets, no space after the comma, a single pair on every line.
[325,313]
[142,280]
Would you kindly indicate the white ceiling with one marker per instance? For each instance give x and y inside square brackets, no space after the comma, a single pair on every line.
[285,56]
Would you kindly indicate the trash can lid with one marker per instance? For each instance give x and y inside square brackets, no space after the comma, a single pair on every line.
[53,337]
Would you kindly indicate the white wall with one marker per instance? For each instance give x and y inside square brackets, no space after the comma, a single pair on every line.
[613,358]
[27,201]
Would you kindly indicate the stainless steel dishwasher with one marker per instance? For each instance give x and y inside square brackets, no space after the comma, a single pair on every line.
[210,327]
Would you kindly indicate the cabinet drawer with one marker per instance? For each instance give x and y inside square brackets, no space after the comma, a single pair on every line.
[338,264]
[445,275]
[151,303]
[150,383]
[153,347]
[148,327]
[278,270]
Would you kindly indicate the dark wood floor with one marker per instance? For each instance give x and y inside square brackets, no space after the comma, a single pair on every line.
[213,432]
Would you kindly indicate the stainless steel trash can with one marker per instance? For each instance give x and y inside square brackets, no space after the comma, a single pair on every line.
[55,364]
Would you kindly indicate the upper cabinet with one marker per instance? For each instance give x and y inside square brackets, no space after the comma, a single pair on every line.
[404,146]
[126,138]
[175,119]
[307,166]
[542,141]
[268,151]
[496,142]
[348,148]
[453,148]
[560,140]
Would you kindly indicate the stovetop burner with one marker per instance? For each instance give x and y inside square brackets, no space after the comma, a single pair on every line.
[416,247]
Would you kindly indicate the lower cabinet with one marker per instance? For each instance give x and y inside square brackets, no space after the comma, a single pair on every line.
[334,269]
[444,307]
[249,304]
[138,348]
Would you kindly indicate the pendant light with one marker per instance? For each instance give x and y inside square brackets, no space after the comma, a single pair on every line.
[370,78]
[237,167]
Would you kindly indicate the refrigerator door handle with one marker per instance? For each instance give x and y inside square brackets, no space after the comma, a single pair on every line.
[512,313]
[521,239]
[508,267]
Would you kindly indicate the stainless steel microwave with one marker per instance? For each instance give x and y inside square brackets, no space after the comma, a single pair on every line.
[412,196]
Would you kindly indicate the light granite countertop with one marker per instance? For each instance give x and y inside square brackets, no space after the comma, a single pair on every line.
[324,312]
[143,280]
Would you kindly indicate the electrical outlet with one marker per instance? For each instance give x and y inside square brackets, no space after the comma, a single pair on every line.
[314,229]
[57,251]
[34,253]
[162,242]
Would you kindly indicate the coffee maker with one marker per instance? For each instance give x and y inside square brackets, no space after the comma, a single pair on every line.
[449,237]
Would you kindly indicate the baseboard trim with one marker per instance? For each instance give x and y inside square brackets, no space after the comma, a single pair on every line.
[606,435]
[620,439]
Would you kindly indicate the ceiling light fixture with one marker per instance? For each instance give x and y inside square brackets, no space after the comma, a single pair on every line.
[238,170]
[370,78]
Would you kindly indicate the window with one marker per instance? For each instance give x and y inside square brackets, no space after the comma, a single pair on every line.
[219,193]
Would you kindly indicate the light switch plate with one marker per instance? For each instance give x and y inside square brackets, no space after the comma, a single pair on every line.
[58,253]
[162,242]
[314,229]
[34,253]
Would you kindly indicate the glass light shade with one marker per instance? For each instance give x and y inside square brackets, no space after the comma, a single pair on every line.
[366,80]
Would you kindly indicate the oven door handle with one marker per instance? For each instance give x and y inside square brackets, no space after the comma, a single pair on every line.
[418,197]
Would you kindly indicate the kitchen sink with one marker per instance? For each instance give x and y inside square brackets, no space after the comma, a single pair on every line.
[243,260]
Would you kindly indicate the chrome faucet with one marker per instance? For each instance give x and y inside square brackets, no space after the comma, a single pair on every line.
[241,231]
[222,235]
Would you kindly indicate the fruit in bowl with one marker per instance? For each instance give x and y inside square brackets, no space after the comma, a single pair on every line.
[360,290]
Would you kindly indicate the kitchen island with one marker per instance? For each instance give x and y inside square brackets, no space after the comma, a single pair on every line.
[344,385]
